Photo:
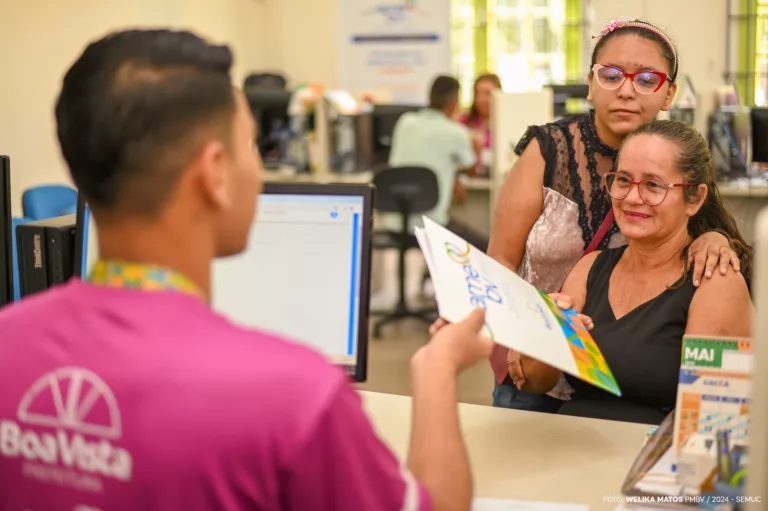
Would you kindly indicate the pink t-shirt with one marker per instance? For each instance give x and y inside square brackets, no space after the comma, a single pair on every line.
[116,399]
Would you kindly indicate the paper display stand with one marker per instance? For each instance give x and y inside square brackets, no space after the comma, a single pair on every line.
[651,475]
[518,316]
[713,392]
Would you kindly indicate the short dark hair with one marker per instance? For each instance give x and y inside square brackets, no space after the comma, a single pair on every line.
[650,32]
[444,90]
[131,111]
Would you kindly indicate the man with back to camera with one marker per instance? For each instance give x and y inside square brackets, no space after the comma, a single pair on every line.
[128,392]
[431,138]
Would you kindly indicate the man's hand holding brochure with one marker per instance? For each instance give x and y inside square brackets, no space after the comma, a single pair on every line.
[517,315]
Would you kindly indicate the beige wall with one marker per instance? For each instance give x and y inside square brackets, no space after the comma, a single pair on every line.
[40,38]
[297,37]
[308,49]
[302,40]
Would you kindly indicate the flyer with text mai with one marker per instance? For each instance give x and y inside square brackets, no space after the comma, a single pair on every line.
[518,316]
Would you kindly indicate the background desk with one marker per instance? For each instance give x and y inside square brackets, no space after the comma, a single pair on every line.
[272,176]
[528,455]
[475,212]
[744,203]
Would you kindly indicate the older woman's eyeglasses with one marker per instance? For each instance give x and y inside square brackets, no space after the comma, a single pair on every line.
[644,82]
[652,191]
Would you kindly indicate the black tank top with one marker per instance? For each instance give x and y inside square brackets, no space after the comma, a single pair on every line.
[642,349]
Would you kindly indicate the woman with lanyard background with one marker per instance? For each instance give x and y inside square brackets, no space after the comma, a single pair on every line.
[478,119]
[543,235]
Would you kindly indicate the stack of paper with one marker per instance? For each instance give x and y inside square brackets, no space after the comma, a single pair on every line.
[661,479]
[518,316]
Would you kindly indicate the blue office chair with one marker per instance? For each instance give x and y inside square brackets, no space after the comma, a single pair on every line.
[48,201]
[69,210]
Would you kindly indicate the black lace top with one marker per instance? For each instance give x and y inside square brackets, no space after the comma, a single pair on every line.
[575,204]
[576,159]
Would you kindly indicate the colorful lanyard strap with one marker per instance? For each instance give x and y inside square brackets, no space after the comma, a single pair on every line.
[139,276]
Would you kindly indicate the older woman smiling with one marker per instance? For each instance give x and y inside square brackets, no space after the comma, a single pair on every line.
[641,298]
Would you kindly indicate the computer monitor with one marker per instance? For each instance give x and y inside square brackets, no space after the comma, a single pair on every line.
[757,478]
[385,118]
[759,123]
[563,94]
[729,132]
[270,108]
[306,272]
[86,239]
[6,242]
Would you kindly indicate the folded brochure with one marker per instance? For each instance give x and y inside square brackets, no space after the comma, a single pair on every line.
[518,316]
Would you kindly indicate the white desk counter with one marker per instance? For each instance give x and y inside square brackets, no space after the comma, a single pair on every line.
[744,202]
[730,189]
[271,176]
[527,455]
[475,212]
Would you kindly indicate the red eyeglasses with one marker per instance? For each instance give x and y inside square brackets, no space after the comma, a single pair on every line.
[652,191]
[644,82]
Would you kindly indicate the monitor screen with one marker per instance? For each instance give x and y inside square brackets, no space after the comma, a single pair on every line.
[385,118]
[270,109]
[86,240]
[304,274]
[759,122]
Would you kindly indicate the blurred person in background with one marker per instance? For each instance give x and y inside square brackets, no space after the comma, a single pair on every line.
[478,121]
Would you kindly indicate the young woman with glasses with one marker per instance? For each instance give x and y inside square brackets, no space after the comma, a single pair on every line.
[542,235]
[640,299]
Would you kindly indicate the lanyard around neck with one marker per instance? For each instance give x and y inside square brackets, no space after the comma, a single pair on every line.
[125,275]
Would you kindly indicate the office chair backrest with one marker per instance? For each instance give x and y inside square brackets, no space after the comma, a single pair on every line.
[265,81]
[407,190]
[48,201]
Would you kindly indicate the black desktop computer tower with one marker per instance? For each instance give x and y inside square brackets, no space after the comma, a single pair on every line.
[46,251]
[6,245]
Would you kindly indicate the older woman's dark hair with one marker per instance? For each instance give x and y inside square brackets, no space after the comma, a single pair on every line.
[474,115]
[694,161]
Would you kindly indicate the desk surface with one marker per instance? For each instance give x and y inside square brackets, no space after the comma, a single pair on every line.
[357,178]
[727,189]
[527,455]
[272,176]
[733,189]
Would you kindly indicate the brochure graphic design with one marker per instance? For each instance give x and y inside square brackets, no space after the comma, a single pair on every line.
[518,316]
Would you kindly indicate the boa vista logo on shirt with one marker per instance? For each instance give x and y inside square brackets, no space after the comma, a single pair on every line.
[481,290]
[68,417]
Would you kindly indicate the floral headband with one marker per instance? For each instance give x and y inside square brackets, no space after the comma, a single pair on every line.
[620,23]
